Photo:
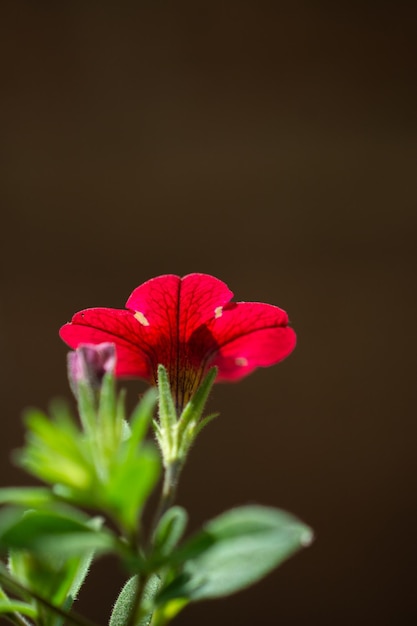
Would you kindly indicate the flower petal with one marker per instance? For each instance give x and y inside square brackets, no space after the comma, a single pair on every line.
[202,298]
[173,312]
[250,335]
[155,306]
[178,306]
[99,325]
[186,324]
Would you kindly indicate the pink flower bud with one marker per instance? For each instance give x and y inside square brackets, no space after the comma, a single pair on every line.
[89,363]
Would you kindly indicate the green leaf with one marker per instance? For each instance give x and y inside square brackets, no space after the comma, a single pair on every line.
[191,422]
[234,551]
[49,576]
[140,420]
[50,532]
[79,574]
[87,408]
[83,567]
[165,613]
[204,422]
[167,410]
[133,469]
[57,452]
[107,468]
[46,610]
[26,496]
[52,576]
[125,602]
[130,484]
[169,530]
[195,407]
[108,430]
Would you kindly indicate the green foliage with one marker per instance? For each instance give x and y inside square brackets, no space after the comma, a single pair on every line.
[234,551]
[57,452]
[169,531]
[52,532]
[125,603]
[28,497]
[167,411]
[105,465]
[41,583]
[52,576]
[191,421]
[134,468]
[80,573]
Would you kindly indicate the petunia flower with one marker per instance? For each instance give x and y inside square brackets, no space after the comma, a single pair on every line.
[187,324]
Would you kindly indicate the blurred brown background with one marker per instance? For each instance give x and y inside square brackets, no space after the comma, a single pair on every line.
[274,146]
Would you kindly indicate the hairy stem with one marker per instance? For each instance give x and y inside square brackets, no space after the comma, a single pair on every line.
[168,493]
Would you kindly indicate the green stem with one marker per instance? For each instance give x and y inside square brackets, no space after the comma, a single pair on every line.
[169,491]
[20,620]
[14,618]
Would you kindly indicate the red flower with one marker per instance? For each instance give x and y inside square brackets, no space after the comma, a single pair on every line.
[188,324]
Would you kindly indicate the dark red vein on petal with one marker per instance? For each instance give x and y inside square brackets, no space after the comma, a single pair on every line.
[246,334]
[124,340]
[178,341]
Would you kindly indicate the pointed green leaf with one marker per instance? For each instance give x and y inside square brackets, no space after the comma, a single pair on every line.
[234,551]
[87,408]
[26,496]
[108,429]
[169,530]
[167,410]
[52,576]
[130,484]
[203,423]
[56,451]
[165,613]
[51,533]
[79,574]
[49,576]
[76,578]
[140,420]
[125,602]
[195,407]
[44,605]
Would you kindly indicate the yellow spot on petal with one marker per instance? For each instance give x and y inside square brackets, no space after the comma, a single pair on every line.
[218,312]
[240,360]
[141,318]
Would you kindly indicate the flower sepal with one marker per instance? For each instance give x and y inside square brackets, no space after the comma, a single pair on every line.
[176,432]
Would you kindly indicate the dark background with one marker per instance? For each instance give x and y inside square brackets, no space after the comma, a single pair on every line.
[274,146]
